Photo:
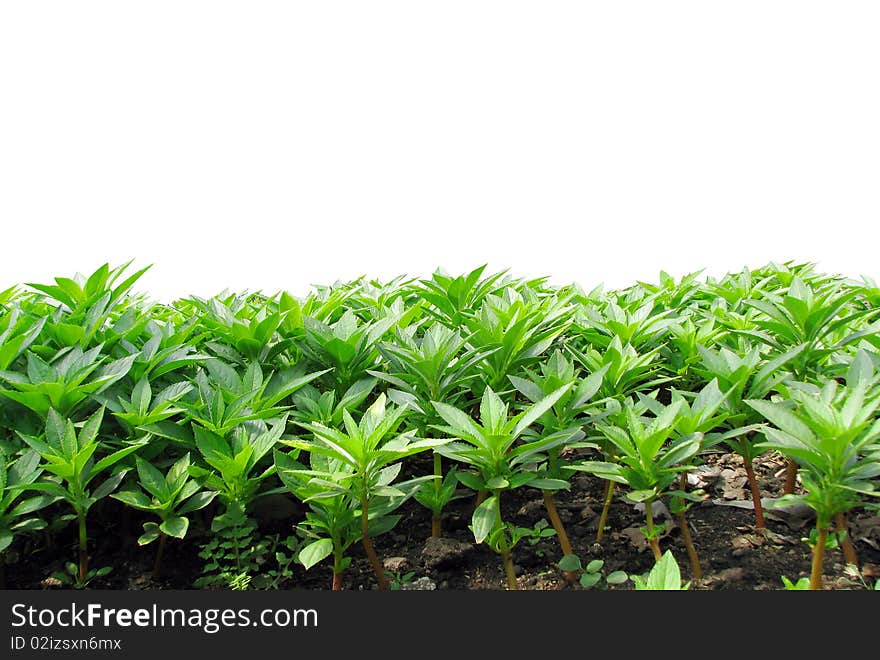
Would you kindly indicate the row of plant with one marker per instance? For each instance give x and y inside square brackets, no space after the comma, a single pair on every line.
[199,408]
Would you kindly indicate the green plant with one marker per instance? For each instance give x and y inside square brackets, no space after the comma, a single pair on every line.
[234,553]
[238,478]
[435,367]
[93,310]
[803,584]
[371,462]
[70,456]
[399,580]
[517,326]
[66,382]
[540,531]
[16,514]
[591,574]
[664,576]
[227,401]
[73,577]
[572,410]
[649,459]
[499,465]
[833,437]
[702,416]
[814,315]
[170,497]
[745,374]
[332,522]
[348,345]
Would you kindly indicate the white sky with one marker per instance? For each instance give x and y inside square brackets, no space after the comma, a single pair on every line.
[273,145]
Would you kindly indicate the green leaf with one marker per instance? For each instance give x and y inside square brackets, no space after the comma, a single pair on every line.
[617,577]
[570,563]
[485,518]
[152,480]
[109,485]
[151,533]
[315,552]
[6,538]
[665,576]
[175,526]
[141,396]
[595,566]
[197,502]
[526,418]
[549,484]
[589,580]
[134,499]
[783,418]
[497,483]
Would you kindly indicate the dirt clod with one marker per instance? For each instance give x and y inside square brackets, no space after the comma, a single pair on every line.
[443,552]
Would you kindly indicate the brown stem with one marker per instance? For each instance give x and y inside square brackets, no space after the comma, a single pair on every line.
[436,523]
[606,506]
[481,497]
[507,559]
[696,569]
[564,544]
[818,556]
[368,547]
[849,550]
[83,550]
[649,523]
[337,581]
[791,470]
[756,494]
[158,562]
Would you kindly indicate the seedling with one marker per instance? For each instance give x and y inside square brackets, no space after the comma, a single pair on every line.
[372,459]
[573,410]
[489,448]
[664,576]
[591,574]
[833,437]
[436,367]
[170,496]
[743,375]
[70,457]
[16,513]
[649,460]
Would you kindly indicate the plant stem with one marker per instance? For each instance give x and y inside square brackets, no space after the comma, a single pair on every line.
[696,569]
[83,548]
[791,470]
[368,546]
[606,506]
[564,544]
[756,493]
[436,520]
[236,542]
[818,555]
[481,497]
[507,559]
[158,563]
[649,523]
[337,581]
[849,550]
[503,547]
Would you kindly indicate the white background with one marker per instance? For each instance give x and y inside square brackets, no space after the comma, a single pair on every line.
[272,145]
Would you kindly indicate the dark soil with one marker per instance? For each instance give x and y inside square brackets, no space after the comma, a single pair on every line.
[732,554]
